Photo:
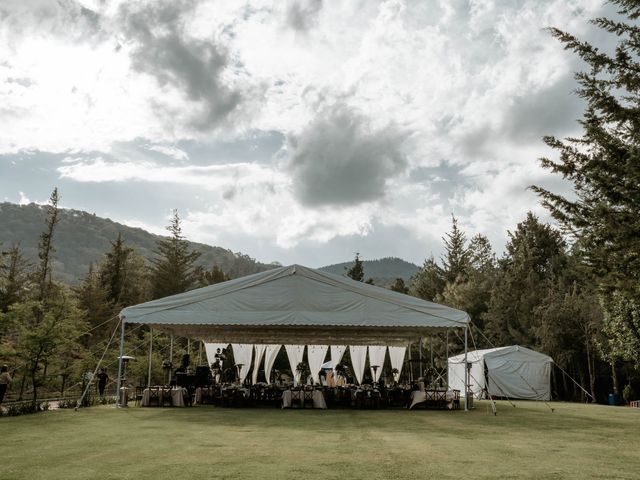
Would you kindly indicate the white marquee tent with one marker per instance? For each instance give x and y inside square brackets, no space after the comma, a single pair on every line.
[514,372]
[296,305]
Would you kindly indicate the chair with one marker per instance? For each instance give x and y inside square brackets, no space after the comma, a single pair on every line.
[155,396]
[166,397]
[307,398]
[139,394]
[297,397]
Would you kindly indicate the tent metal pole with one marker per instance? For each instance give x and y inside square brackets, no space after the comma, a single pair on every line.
[431,349]
[447,354]
[119,382]
[421,371]
[150,353]
[466,372]
[171,357]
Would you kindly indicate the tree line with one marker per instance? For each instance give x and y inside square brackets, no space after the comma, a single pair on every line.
[571,291]
[52,334]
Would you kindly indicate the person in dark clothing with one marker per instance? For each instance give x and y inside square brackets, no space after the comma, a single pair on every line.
[103,378]
[5,380]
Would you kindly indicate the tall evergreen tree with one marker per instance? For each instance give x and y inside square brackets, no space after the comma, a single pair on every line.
[13,277]
[604,168]
[173,269]
[428,282]
[122,275]
[456,258]
[46,248]
[356,271]
[534,257]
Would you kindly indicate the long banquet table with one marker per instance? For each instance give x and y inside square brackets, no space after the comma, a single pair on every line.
[289,396]
[177,396]
[442,398]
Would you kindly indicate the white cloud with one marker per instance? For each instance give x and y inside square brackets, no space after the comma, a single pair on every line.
[365,93]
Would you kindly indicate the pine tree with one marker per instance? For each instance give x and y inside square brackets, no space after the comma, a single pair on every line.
[45,247]
[13,277]
[429,282]
[535,257]
[122,275]
[211,277]
[356,271]
[173,269]
[604,168]
[456,259]
[399,286]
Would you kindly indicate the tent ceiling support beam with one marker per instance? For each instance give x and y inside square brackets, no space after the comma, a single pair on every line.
[395,336]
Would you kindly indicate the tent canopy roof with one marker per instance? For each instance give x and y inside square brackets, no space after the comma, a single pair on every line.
[296,304]
[512,350]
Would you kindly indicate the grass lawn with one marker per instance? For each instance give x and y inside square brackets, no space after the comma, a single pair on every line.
[204,442]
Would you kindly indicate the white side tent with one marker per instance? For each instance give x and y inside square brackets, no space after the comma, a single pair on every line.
[514,372]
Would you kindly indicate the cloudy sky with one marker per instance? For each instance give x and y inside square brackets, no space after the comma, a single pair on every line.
[294,131]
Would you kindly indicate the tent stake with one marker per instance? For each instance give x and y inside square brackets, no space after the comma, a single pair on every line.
[118,385]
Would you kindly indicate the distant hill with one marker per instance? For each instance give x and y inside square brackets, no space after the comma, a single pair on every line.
[82,239]
[383,271]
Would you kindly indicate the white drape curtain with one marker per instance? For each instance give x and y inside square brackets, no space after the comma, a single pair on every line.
[257,358]
[358,359]
[270,354]
[295,354]
[242,353]
[210,350]
[376,357]
[396,355]
[316,354]
[337,351]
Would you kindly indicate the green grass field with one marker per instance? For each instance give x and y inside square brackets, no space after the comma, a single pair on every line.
[576,441]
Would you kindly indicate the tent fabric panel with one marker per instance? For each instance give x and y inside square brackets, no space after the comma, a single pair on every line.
[316,297]
[513,371]
[242,355]
[295,353]
[358,355]
[269,359]
[377,354]
[337,352]
[316,355]
[517,378]
[257,359]
[456,372]
[396,356]
[211,349]
[384,318]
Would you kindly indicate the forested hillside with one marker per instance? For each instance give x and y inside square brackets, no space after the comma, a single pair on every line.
[81,239]
[383,271]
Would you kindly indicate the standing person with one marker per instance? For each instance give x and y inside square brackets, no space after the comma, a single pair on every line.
[5,380]
[103,378]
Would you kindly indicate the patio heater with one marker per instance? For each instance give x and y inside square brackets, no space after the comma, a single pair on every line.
[123,396]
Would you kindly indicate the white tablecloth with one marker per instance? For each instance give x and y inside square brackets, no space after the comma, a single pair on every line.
[418,396]
[177,397]
[288,396]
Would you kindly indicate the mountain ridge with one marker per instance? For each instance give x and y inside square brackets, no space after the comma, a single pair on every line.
[81,239]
